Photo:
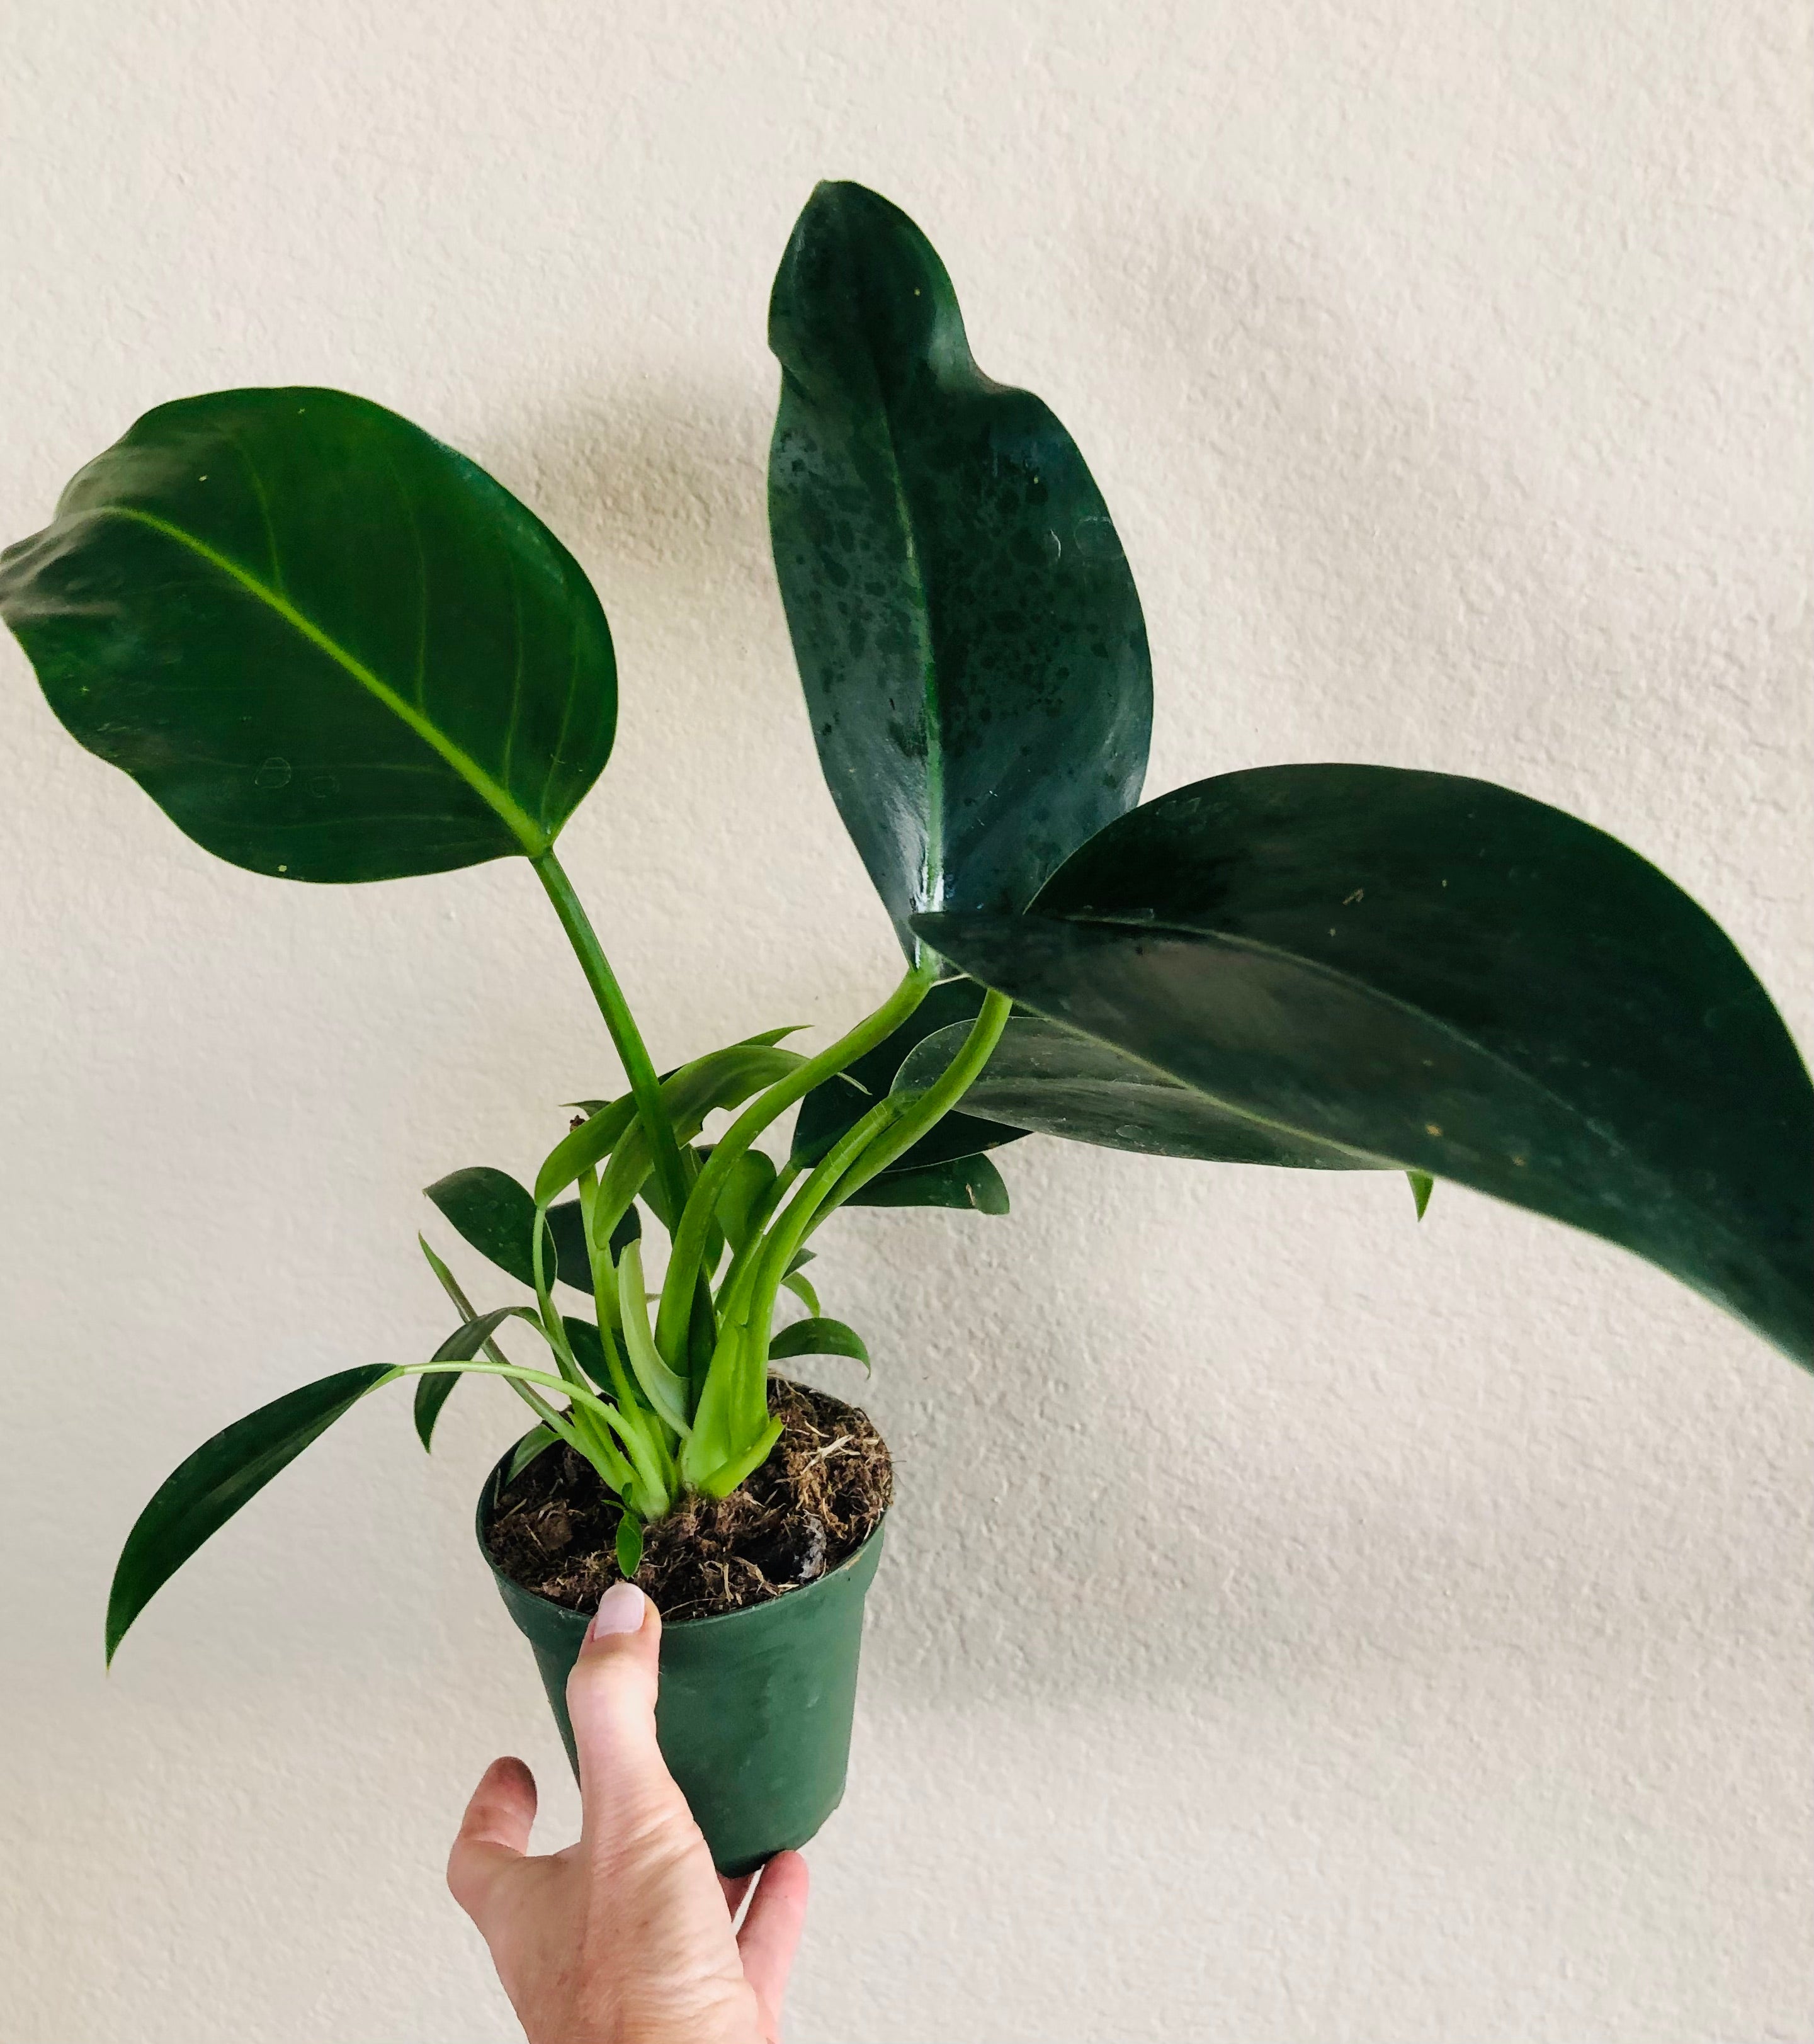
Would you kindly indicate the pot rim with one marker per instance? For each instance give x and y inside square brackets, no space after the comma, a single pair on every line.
[488,1494]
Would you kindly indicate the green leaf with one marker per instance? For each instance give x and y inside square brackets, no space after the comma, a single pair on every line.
[536,1442]
[1422,1185]
[818,1336]
[461,1346]
[1450,978]
[588,1347]
[802,1289]
[629,1545]
[328,647]
[973,1182]
[203,1493]
[830,1109]
[580,1149]
[721,1079]
[752,1176]
[965,626]
[1042,1077]
[497,1217]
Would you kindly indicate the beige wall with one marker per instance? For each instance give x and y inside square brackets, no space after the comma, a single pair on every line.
[1299,1626]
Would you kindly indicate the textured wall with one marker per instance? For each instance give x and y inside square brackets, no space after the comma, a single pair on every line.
[1299,1625]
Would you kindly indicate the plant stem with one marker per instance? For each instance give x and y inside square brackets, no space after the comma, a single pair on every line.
[684,1265]
[928,1108]
[664,1151]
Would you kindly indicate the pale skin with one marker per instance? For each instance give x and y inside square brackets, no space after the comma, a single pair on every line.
[627,1936]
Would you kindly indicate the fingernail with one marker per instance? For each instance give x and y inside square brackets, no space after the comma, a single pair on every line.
[620,1610]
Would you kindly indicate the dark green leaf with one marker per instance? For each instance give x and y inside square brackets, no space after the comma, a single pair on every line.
[461,1346]
[966,629]
[629,1545]
[962,1181]
[497,1217]
[588,1348]
[818,1337]
[1042,1077]
[326,646]
[201,1494]
[828,1110]
[1451,978]
[1422,1185]
[536,1442]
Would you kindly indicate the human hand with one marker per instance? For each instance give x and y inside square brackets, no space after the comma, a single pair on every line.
[625,1937]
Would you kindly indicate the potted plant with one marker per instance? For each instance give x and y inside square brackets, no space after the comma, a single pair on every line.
[333,651]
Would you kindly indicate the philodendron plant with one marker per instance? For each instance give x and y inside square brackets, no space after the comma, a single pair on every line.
[333,650]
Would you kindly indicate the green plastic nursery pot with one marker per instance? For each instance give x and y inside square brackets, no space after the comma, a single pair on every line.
[755,1707]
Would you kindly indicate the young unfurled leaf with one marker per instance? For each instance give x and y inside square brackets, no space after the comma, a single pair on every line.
[1422,1185]
[721,1079]
[329,647]
[967,633]
[970,1182]
[1450,978]
[818,1337]
[199,1496]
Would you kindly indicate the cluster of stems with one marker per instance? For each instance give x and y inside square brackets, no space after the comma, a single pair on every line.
[676,1402]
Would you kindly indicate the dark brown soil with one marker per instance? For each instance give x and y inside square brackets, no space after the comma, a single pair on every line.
[817,1498]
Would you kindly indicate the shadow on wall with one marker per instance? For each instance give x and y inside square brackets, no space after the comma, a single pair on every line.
[1423,574]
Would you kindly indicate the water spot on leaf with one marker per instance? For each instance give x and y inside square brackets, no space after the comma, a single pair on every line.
[274,774]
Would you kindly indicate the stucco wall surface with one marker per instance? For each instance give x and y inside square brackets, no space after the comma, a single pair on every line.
[1299,1625]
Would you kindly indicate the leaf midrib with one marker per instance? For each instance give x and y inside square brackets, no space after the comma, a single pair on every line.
[521,825]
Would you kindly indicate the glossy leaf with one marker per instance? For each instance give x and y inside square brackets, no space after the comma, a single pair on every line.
[328,647]
[588,1347]
[802,1288]
[1454,979]
[1042,1076]
[830,1109]
[971,1182]
[721,1078]
[199,1497]
[535,1442]
[818,1337]
[1422,1185]
[629,1545]
[967,629]
[461,1346]
[740,1204]
[497,1217]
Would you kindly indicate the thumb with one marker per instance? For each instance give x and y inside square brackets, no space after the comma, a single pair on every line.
[624,1781]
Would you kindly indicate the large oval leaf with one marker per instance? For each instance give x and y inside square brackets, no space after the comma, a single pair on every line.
[1040,1076]
[1450,977]
[967,630]
[200,1495]
[842,1101]
[328,647]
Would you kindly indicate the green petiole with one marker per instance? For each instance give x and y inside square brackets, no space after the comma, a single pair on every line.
[688,1256]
